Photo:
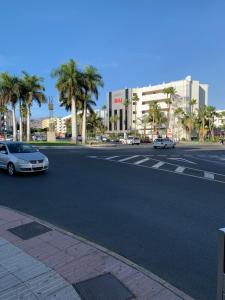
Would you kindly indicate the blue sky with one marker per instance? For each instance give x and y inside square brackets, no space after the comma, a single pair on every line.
[131,42]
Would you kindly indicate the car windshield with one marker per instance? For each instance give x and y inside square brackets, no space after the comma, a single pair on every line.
[21,148]
[158,140]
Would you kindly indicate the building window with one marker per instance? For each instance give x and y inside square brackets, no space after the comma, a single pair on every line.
[126,121]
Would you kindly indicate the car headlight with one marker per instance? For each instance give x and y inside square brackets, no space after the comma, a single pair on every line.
[46,160]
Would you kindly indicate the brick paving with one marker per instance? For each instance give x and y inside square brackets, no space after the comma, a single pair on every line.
[46,266]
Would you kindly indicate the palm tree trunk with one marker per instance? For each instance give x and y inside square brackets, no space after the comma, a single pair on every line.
[84,127]
[21,123]
[74,120]
[28,123]
[14,123]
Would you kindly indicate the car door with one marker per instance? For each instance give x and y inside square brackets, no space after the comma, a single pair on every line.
[3,156]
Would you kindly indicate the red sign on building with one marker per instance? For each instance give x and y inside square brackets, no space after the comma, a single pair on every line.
[118,100]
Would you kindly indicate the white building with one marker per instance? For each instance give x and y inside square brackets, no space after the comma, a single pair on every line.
[6,121]
[186,89]
[219,120]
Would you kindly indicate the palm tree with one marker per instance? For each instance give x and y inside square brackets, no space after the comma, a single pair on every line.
[179,114]
[92,81]
[210,115]
[156,117]
[170,92]
[114,120]
[192,103]
[189,121]
[34,91]
[126,104]
[104,108]
[144,120]
[10,93]
[135,99]
[70,86]
[202,114]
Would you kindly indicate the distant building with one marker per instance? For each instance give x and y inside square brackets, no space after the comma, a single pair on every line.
[6,121]
[36,123]
[219,120]
[186,89]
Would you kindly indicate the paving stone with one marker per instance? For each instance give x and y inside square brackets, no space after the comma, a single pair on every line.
[8,281]
[19,292]
[103,287]
[29,230]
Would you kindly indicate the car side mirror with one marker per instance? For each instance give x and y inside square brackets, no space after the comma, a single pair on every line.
[3,152]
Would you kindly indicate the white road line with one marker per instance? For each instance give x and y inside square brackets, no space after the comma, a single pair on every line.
[127,158]
[209,175]
[92,156]
[180,169]
[158,165]
[141,161]
[111,157]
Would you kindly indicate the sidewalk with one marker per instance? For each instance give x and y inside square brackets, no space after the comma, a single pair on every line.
[40,261]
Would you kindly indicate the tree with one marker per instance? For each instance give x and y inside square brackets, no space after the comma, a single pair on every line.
[192,103]
[170,93]
[95,124]
[202,114]
[144,120]
[126,105]
[210,116]
[135,99]
[70,86]
[10,93]
[114,120]
[104,108]
[92,81]
[179,114]
[156,117]
[34,92]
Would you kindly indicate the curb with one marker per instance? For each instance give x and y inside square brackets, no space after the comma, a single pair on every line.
[126,261]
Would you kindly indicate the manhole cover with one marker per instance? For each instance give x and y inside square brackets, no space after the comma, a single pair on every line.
[103,287]
[30,230]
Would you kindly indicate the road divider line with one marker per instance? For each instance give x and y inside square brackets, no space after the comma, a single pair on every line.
[180,169]
[141,161]
[209,175]
[128,158]
[158,165]
[111,157]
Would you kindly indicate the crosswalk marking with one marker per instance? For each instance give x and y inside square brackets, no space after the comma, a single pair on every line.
[141,161]
[209,175]
[111,157]
[128,158]
[180,169]
[158,165]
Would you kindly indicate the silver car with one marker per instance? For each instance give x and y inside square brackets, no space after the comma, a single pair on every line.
[21,157]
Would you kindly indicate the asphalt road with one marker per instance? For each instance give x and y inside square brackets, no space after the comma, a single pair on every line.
[159,208]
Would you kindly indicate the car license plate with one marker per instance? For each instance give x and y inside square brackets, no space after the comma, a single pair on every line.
[37,166]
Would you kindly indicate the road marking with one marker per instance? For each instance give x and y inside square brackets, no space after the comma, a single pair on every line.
[141,161]
[158,165]
[92,156]
[183,159]
[111,157]
[161,155]
[128,158]
[209,175]
[180,169]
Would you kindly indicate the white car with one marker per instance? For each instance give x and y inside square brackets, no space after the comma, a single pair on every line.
[133,140]
[163,143]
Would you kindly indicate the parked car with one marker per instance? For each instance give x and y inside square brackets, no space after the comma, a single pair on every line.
[133,140]
[146,139]
[163,143]
[21,157]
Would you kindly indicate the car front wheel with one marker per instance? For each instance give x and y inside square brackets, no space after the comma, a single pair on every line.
[11,169]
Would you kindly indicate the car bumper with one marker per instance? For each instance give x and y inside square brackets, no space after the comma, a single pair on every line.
[31,168]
